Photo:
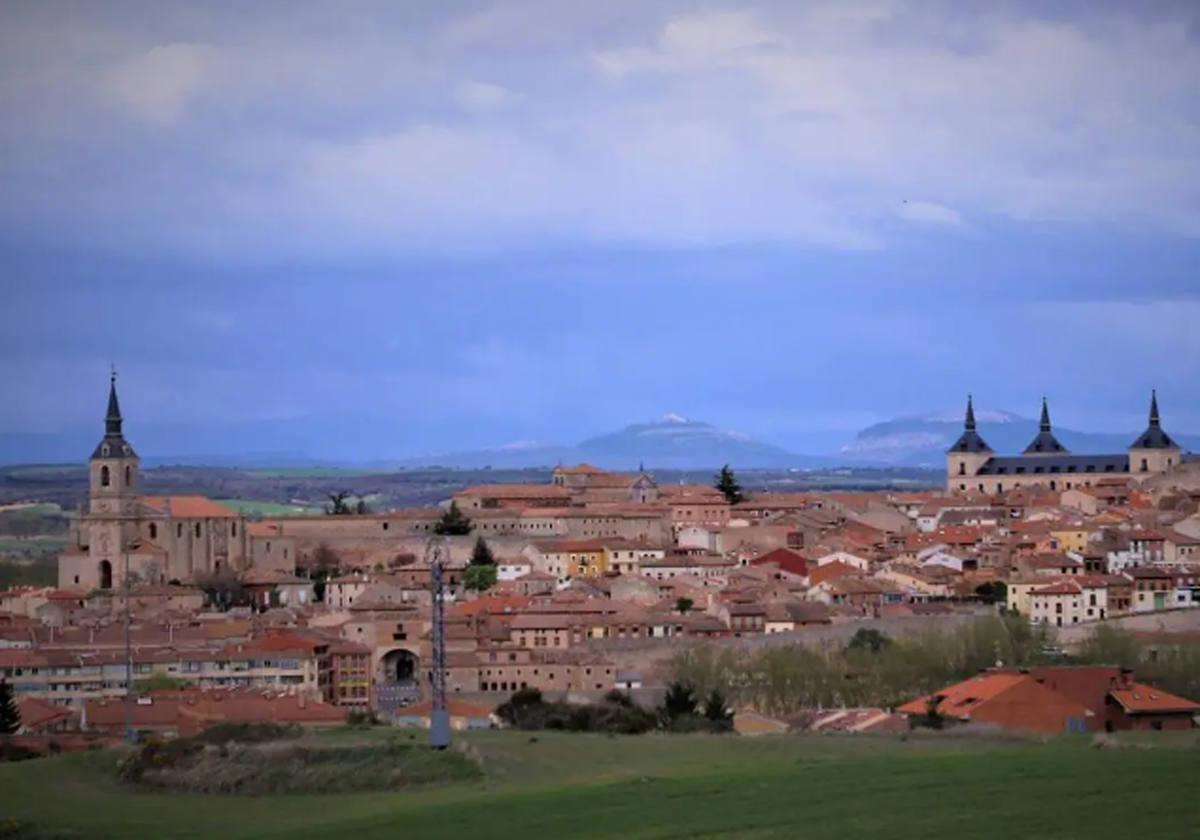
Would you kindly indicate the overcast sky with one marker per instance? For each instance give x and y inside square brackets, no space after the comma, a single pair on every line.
[496,221]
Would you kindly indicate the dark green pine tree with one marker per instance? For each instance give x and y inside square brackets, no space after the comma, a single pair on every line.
[482,555]
[10,715]
[728,485]
[454,523]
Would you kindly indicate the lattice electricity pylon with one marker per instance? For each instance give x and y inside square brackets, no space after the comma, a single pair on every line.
[439,718]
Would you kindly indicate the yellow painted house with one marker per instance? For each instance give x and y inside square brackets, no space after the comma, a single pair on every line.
[1071,539]
[571,558]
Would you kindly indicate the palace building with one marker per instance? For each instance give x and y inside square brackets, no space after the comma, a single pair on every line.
[158,538]
[971,465]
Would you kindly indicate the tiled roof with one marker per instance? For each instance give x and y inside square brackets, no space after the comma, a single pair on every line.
[189,507]
[1142,699]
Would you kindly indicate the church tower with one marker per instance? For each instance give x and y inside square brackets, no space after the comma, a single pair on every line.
[968,454]
[113,468]
[1154,451]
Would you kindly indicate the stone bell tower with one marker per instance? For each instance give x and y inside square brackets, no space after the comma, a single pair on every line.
[113,468]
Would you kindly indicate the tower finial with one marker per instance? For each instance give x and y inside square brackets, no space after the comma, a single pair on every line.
[112,418]
[969,423]
[1045,424]
[1154,407]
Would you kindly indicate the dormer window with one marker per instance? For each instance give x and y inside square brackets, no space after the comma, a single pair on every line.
[105,450]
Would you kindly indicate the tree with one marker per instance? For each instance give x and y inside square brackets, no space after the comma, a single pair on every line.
[454,523]
[679,701]
[728,485]
[933,715]
[361,507]
[992,592]
[10,715]
[482,554]
[868,638]
[325,564]
[159,682]
[479,577]
[338,505]
[717,712]
[684,605]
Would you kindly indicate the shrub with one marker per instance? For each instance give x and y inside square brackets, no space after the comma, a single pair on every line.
[248,733]
[15,752]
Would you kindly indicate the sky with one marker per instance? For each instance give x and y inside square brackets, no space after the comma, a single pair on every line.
[408,228]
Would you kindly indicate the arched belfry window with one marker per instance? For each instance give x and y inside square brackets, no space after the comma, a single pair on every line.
[128,476]
[105,477]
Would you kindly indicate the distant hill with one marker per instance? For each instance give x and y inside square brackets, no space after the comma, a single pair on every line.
[672,442]
[923,440]
[678,443]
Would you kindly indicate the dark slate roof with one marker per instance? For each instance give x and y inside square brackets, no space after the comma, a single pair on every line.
[1045,443]
[113,444]
[117,447]
[970,441]
[1055,464]
[1154,437]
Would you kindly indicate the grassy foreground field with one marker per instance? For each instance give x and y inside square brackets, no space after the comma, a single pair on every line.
[562,785]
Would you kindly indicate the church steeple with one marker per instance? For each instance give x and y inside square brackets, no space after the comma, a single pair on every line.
[113,444]
[1154,437]
[970,441]
[1045,443]
[112,420]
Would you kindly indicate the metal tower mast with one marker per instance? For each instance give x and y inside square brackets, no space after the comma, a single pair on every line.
[439,718]
[130,732]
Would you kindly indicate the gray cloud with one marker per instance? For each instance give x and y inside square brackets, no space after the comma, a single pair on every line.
[235,131]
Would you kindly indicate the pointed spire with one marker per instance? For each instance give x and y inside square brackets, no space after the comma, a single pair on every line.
[1045,443]
[1154,437]
[970,441]
[112,420]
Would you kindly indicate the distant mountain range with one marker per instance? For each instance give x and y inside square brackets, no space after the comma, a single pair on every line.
[923,440]
[671,442]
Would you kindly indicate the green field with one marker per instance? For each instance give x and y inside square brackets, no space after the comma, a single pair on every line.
[251,507]
[24,545]
[562,785]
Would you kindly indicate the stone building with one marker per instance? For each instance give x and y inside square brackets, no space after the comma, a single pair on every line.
[972,465]
[158,538]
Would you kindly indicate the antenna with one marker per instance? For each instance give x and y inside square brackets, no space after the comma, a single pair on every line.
[439,717]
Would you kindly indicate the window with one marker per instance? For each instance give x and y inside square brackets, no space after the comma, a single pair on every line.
[128,476]
[106,478]
[197,529]
[233,529]
[153,531]
[179,530]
